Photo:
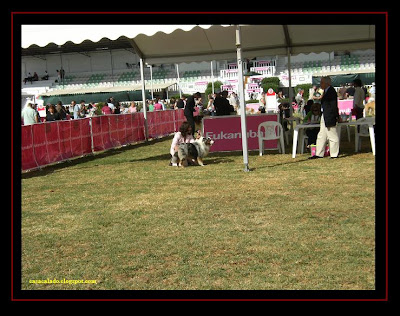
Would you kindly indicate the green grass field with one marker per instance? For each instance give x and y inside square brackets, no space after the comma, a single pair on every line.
[127,220]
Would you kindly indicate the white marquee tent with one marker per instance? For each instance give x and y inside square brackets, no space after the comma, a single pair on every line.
[168,44]
[190,43]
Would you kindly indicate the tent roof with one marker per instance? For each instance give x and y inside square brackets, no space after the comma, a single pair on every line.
[189,43]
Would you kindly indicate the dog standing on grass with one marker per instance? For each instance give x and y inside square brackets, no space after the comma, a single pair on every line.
[193,153]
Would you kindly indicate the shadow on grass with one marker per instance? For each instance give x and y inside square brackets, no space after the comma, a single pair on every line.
[213,158]
[45,170]
[226,157]
[167,157]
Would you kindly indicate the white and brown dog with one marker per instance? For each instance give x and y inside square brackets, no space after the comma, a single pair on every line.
[193,153]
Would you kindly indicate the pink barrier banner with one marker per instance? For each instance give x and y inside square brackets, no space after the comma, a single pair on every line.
[46,143]
[65,128]
[345,106]
[101,133]
[80,137]
[160,123]
[134,128]
[27,154]
[179,119]
[49,142]
[52,139]
[110,131]
[227,134]
[39,144]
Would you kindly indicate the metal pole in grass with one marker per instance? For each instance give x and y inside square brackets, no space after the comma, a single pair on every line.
[241,100]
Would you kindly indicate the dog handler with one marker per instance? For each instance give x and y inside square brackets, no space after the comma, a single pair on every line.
[184,135]
[190,108]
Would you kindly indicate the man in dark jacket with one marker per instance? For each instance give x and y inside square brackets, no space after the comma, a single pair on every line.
[329,119]
[189,109]
[180,104]
[222,105]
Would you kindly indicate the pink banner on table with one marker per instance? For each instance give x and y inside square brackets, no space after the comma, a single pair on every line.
[345,106]
[227,134]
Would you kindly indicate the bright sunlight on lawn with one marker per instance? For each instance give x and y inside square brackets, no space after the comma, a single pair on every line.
[127,220]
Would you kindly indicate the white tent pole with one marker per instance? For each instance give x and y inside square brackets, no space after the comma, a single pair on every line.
[179,81]
[112,68]
[290,83]
[212,78]
[242,100]
[144,99]
[151,79]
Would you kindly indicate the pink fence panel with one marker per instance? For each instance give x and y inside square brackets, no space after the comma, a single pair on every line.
[64,129]
[46,143]
[80,137]
[86,138]
[117,129]
[121,125]
[134,128]
[101,133]
[97,132]
[39,144]
[28,160]
[113,129]
[179,119]
[169,122]
[110,131]
[53,142]
[160,123]
[153,124]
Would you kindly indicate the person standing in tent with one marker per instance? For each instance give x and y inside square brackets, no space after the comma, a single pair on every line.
[180,104]
[132,108]
[300,100]
[234,101]
[76,109]
[222,105]
[329,119]
[189,109]
[29,115]
[157,105]
[358,100]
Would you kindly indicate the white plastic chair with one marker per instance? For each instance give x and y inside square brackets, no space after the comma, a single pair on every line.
[364,132]
[272,130]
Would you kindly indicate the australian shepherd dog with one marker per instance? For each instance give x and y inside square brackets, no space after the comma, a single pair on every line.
[193,153]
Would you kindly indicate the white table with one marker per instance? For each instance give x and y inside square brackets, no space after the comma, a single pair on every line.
[290,121]
[370,121]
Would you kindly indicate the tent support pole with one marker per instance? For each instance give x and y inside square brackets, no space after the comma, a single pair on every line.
[290,82]
[112,68]
[179,80]
[242,100]
[146,134]
[212,78]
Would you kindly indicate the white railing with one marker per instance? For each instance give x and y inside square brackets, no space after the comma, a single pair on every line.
[267,71]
